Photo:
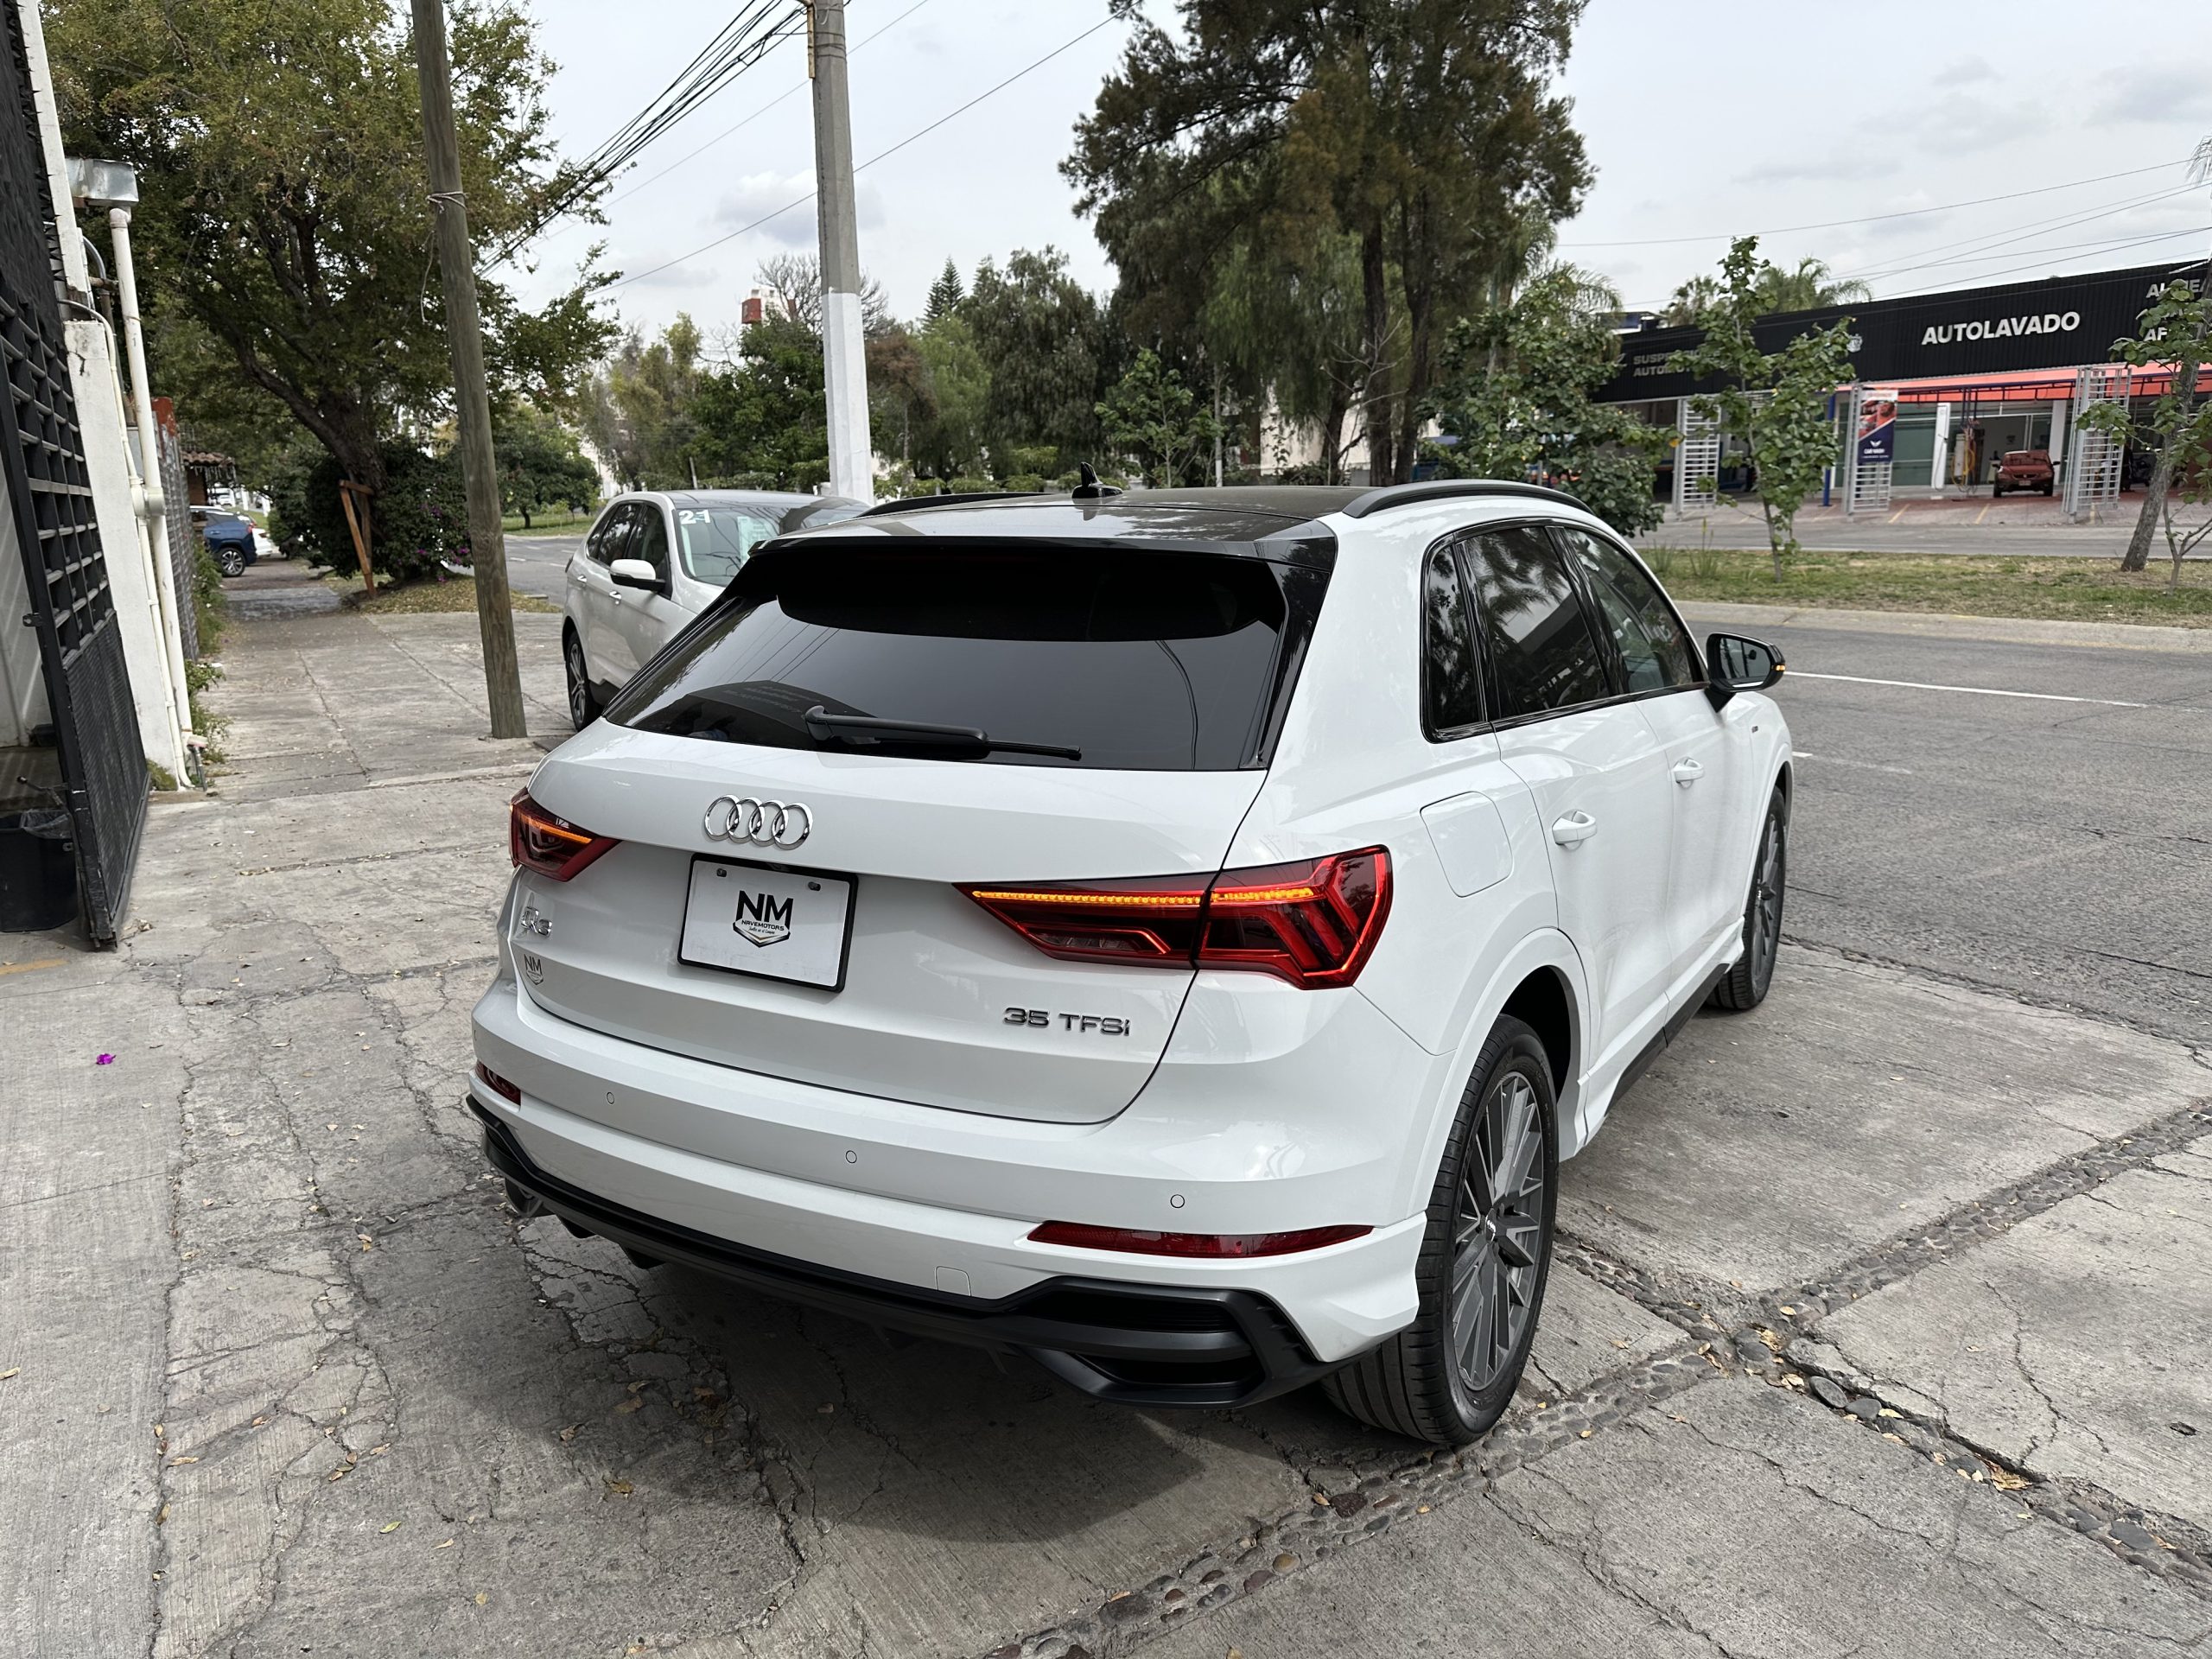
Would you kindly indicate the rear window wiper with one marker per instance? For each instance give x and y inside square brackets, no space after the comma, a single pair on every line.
[821,724]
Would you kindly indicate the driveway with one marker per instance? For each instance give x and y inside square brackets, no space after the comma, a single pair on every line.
[1879,1324]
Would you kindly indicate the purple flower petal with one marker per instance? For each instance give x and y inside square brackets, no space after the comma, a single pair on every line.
[105,1059]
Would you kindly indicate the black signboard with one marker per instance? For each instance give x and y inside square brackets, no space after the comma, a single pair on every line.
[2053,323]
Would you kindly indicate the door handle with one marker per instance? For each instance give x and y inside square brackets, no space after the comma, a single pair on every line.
[1688,771]
[618,598]
[1574,828]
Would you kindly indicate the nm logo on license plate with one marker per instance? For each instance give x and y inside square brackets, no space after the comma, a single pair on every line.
[762,918]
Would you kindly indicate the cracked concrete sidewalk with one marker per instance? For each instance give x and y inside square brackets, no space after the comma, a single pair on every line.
[287,1377]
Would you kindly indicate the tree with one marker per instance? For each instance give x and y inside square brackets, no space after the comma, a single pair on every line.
[1422,129]
[764,422]
[1776,402]
[1291,329]
[1692,301]
[2162,471]
[1152,415]
[1517,394]
[950,440]
[794,284]
[945,295]
[2176,329]
[637,407]
[1811,286]
[1043,342]
[540,464]
[282,210]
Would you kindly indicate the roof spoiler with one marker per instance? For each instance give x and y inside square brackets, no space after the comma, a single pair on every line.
[1444,489]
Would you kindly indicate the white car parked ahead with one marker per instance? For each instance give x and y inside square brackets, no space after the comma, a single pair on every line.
[651,562]
[1175,937]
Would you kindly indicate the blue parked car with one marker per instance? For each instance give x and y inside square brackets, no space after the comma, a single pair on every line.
[229,537]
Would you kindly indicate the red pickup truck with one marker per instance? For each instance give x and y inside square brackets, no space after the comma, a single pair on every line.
[2025,469]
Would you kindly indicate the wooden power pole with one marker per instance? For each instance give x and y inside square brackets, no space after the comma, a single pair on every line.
[488,539]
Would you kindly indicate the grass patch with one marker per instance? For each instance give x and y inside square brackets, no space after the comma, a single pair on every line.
[429,598]
[2077,590]
[540,523]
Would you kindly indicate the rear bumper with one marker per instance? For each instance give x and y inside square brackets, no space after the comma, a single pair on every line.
[1133,1344]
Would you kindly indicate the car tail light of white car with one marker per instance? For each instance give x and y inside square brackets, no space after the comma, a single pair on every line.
[1313,924]
[543,841]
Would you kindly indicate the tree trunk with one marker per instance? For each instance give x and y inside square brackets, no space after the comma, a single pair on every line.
[1374,401]
[1332,438]
[1420,312]
[2138,555]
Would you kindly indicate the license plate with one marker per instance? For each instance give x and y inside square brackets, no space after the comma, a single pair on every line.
[777,923]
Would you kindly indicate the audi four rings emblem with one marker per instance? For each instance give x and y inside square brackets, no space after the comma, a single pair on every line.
[765,824]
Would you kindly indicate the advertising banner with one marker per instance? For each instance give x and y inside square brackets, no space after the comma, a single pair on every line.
[1878,426]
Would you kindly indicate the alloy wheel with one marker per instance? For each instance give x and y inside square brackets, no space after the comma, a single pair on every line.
[579,687]
[1766,902]
[1497,1235]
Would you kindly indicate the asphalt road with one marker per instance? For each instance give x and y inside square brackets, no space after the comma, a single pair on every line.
[535,564]
[2041,827]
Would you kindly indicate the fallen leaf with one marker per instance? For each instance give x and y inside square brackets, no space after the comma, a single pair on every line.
[640,1385]
[13,1371]
[341,1471]
[174,1461]
[570,1432]
[389,1526]
[378,1451]
[2005,1481]
[1584,1434]
[629,1405]
[482,1598]
[447,1545]
[1423,1510]
[1891,1411]
[619,1487]
[162,1517]
[1322,1498]
[109,1059]
[823,1411]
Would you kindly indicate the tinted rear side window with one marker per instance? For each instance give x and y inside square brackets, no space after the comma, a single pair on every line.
[1541,650]
[1144,661]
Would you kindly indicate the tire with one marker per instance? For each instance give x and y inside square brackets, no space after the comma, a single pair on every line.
[2048,488]
[1419,1383]
[583,702]
[230,560]
[1744,985]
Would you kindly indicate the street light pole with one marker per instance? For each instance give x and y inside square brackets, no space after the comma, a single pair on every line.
[844,351]
[488,540]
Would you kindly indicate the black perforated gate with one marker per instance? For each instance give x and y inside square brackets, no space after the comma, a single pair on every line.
[42,461]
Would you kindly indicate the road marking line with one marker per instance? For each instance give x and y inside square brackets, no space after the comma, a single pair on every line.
[1838,760]
[1972,690]
[31,967]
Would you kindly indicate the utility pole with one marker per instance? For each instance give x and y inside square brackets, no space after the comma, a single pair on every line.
[844,351]
[488,539]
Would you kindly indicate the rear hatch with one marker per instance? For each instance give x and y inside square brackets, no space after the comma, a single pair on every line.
[1155,675]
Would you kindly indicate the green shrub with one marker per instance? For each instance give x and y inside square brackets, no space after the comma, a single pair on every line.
[420,517]
[1030,483]
[211,607]
[963,486]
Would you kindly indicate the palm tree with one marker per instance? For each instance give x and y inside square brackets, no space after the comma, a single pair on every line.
[1811,286]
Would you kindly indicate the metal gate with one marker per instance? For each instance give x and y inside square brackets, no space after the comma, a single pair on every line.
[42,461]
[1697,459]
[2093,462]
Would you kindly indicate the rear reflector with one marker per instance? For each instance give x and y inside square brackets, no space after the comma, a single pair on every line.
[1313,924]
[1134,1242]
[497,1085]
[541,841]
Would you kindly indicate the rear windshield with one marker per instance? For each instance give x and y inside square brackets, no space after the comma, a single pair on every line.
[1138,660]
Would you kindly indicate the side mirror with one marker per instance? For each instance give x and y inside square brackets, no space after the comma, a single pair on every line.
[1733,664]
[634,573]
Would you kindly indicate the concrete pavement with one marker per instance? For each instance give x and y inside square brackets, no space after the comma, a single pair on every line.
[286,1377]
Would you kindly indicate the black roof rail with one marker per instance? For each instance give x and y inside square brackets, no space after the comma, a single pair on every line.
[960,499]
[1444,489]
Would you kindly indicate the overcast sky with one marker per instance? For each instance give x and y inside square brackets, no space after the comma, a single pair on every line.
[1803,117]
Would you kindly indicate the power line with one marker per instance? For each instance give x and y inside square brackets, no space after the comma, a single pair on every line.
[2108,247]
[727,131]
[736,46]
[801,202]
[1872,219]
[1974,245]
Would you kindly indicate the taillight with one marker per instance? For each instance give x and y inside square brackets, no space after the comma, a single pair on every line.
[541,841]
[1313,924]
[1136,1242]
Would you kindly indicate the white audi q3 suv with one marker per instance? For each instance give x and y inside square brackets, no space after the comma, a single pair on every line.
[1174,936]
